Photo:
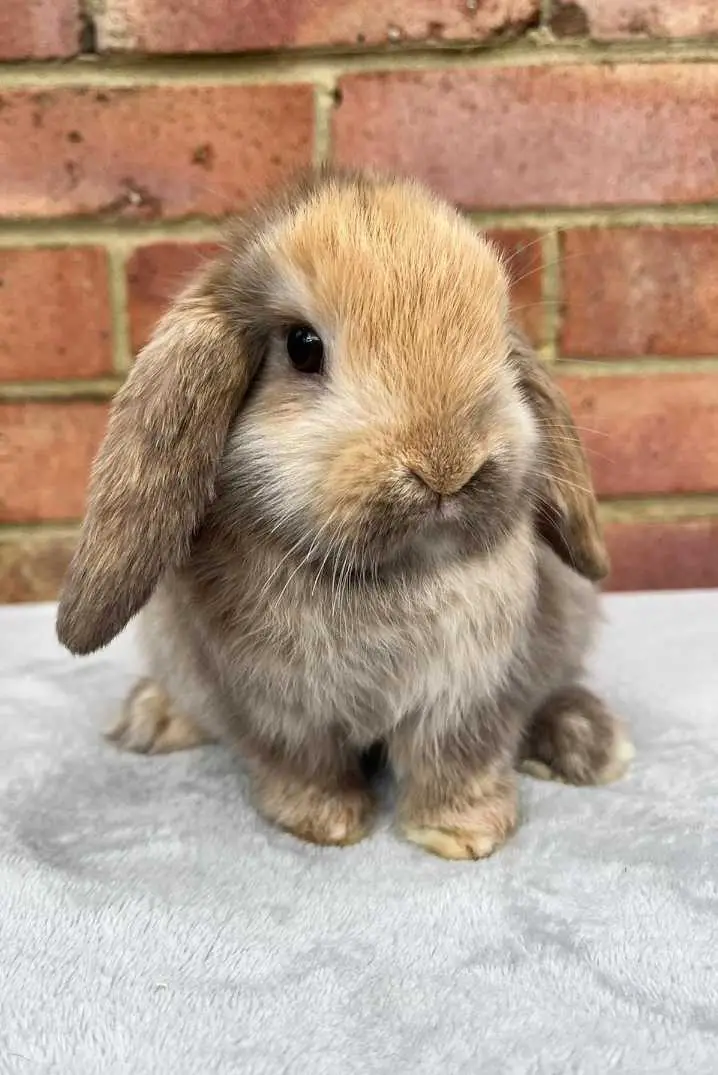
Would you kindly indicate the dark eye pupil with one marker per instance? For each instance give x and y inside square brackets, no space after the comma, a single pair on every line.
[305,349]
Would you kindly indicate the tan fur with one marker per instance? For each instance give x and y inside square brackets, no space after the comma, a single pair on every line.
[151,724]
[470,820]
[327,811]
[354,556]
[350,247]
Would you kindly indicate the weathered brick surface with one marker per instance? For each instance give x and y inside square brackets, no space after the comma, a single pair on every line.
[55,317]
[584,133]
[607,20]
[231,26]
[663,555]
[45,455]
[39,29]
[650,434]
[32,566]
[522,250]
[155,274]
[149,151]
[640,291]
[504,137]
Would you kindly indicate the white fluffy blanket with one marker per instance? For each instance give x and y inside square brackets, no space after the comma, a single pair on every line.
[151,922]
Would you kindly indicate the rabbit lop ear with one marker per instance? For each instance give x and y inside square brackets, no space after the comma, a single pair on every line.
[566,511]
[154,475]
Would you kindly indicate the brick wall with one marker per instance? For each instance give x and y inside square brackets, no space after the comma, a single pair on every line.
[584,136]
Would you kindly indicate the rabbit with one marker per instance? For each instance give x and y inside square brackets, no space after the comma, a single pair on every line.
[351,508]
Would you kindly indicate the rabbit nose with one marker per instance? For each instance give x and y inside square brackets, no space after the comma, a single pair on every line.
[443,482]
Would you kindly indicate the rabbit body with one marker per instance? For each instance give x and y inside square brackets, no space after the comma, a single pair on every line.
[352,507]
[249,650]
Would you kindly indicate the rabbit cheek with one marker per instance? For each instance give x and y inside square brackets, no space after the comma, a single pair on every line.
[362,496]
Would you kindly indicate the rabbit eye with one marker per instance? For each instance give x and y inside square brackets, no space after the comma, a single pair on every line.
[305,349]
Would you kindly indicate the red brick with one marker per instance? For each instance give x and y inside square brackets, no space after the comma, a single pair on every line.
[640,291]
[155,274]
[663,555]
[55,316]
[149,151]
[649,434]
[32,566]
[231,26]
[498,137]
[39,29]
[45,455]
[607,20]
[524,261]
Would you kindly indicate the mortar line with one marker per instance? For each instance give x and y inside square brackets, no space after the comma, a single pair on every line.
[704,214]
[324,98]
[13,531]
[119,307]
[534,49]
[668,508]
[649,365]
[551,294]
[69,231]
[87,29]
[59,391]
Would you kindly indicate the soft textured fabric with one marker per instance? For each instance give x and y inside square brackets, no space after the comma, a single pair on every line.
[151,922]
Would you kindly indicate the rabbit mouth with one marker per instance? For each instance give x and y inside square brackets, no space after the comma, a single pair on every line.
[446,508]
[448,527]
[412,523]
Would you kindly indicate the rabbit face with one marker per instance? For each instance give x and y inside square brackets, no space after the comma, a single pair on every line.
[385,420]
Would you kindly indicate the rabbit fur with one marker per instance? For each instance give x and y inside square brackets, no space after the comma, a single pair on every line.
[402,547]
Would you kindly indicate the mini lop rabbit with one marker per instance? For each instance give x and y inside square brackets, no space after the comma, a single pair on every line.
[353,508]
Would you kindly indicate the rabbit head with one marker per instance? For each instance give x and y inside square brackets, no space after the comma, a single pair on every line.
[345,380]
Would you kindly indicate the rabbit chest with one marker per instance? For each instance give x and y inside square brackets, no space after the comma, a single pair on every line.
[365,656]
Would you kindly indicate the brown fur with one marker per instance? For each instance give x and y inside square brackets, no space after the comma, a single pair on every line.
[155,474]
[459,814]
[320,797]
[358,556]
[574,738]
[567,513]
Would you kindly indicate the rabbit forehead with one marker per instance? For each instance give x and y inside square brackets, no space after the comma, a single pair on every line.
[403,282]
